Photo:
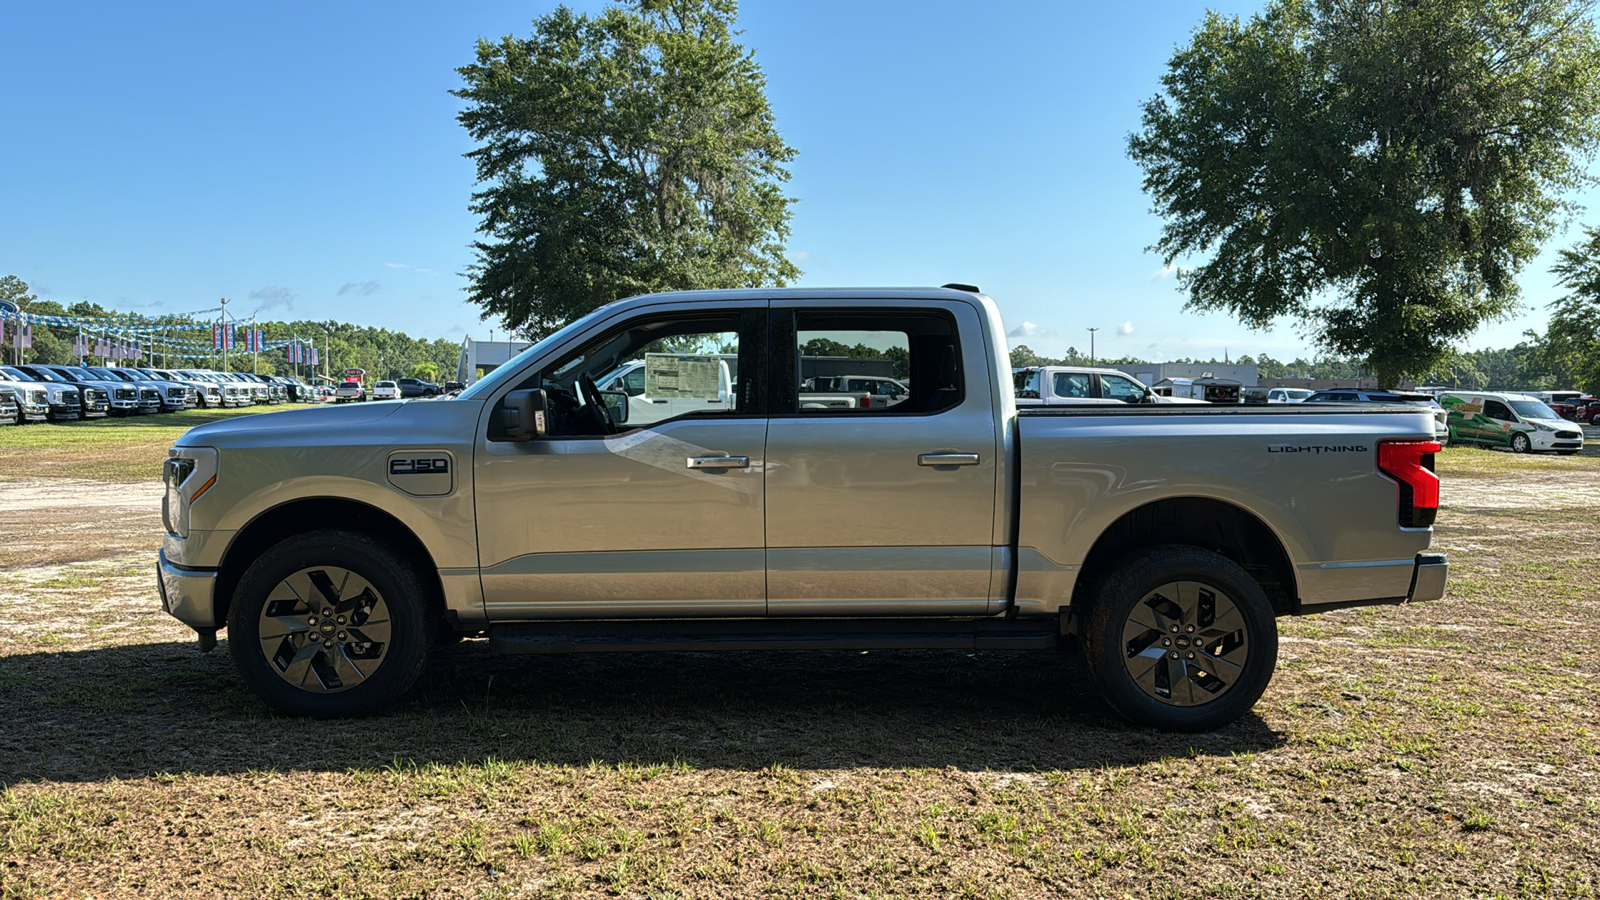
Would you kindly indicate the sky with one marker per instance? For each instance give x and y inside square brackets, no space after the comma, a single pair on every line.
[303,160]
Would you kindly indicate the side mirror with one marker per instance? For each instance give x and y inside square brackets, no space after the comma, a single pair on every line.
[616,404]
[523,417]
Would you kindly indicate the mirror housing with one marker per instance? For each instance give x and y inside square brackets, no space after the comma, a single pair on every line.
[523,417]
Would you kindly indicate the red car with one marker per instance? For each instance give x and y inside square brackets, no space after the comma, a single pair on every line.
[1580,409]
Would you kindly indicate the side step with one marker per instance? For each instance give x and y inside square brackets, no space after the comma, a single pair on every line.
[622,636]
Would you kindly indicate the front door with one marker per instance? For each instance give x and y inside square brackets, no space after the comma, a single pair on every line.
[648,517]
[887,508]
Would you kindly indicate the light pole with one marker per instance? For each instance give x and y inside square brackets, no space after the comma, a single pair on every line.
[1091,345]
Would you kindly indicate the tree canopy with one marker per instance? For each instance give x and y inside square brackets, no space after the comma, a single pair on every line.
[1378,169]
[1574,333]
[627,152]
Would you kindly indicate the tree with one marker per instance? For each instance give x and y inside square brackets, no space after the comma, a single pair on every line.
[629,152]
[427,371]
[1380,169]
[1573,339]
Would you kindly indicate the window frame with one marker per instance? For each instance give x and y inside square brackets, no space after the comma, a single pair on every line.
[783,363]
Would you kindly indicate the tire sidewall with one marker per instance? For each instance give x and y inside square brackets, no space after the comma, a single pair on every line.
[1520,443]
[1125,584]
[396,582]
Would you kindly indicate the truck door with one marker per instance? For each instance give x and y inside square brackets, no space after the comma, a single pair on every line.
[882,510]
[658,516]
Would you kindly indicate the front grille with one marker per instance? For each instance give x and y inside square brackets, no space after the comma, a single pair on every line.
[99,396]
[38,398]
[178,392]
[1569,435]
[150,394]
[125,393]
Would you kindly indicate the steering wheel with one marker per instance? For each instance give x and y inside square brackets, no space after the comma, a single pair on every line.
[592,398]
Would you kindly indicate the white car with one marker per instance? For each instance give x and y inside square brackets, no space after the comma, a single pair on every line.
[386,390]
[349,391]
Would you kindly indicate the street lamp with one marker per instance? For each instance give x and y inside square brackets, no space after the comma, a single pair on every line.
[1091,345]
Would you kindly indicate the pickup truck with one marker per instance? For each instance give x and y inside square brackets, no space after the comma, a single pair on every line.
[338,545]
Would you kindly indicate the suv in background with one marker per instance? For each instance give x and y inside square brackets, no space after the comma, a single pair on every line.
[415,387]
[1441,424]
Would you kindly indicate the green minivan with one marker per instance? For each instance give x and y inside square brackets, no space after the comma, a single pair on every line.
[1524,424]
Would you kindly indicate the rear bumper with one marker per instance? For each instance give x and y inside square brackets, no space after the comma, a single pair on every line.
[187,594]
[1379,583]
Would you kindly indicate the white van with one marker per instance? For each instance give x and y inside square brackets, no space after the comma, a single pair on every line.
[1517,421]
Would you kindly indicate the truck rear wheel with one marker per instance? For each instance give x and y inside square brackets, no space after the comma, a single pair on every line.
[1179,638]
[329,624]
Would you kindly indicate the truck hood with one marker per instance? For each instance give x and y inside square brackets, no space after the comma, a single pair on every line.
[289,426]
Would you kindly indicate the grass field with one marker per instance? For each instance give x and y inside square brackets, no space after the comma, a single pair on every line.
[1439,750]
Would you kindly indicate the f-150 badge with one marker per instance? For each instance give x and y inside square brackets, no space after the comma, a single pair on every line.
[422,473]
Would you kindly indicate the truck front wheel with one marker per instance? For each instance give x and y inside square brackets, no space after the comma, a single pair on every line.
[1179,638]
[328,624]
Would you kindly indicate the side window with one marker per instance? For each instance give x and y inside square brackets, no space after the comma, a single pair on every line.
[1119,388]
[1071,384]
[1026,384]
[874,363]
[686,366]
[1494,409]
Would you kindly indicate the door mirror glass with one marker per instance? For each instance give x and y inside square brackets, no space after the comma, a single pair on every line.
[616,404]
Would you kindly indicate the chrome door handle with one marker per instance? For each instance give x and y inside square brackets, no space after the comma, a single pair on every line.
[947,459]
[719,462]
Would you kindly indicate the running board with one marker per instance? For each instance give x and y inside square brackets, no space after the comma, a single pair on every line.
[620,636]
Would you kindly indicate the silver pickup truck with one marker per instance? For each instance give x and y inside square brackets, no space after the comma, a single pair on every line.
[337,544]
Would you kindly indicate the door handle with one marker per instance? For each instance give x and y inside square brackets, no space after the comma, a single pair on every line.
[719,462]
[947,459]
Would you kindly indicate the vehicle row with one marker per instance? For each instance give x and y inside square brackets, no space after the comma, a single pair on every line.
[40,392]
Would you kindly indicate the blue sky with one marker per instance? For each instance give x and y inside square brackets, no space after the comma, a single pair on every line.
[303,160]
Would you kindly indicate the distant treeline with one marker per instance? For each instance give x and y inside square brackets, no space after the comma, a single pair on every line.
[1527,366]
[383,353]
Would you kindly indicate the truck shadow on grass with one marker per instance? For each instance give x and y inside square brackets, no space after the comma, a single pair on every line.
[142,710]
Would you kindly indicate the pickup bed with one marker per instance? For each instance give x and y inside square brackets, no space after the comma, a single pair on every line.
[337,545]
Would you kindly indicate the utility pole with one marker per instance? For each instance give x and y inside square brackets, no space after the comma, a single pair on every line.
[1091,345]
[222,334]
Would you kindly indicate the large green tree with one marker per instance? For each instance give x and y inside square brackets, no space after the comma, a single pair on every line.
[627,152]
[1574,334]
[1378,169]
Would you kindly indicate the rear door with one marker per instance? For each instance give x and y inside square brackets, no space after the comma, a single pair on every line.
[883,510]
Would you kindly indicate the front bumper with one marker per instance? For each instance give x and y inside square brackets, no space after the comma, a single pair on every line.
[68,411]
[187,594]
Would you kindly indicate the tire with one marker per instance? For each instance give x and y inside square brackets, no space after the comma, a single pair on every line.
[369,667]
[1520,443]
[1165,597]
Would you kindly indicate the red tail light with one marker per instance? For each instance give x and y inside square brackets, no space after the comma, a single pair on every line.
[866,402]
[1410,464]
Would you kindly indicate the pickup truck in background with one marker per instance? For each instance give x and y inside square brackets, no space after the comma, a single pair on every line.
[337,545]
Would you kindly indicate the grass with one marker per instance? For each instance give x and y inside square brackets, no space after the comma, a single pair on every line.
[1444,749]
[109,449]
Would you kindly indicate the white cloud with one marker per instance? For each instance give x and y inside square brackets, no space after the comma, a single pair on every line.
[1125,328]
[361,289]
[273,297]
[1031,331]
[397,265]
[1165,272]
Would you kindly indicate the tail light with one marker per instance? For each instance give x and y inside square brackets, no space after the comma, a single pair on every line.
[866,402]
[1410,465]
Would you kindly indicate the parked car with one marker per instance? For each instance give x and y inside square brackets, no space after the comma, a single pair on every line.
[152,396]
[175,395]
[385,390]
[349,391]
[121,395]
[1516,421]
[207,394]
[234,394]
[63,400]
[414,387]
[1578,409]
[1083,386]
[338,545]
[24,400]
[1441,428]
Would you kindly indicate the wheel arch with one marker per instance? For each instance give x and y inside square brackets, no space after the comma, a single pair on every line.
[1205,522]
[274,524]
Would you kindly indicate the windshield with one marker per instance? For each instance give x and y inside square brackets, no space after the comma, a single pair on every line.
[105,375]
[1532,409]
[16,374]
[488,383]
[43,374]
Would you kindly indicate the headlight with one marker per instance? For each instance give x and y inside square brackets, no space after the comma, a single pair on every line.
[188,473]
[1542,427]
